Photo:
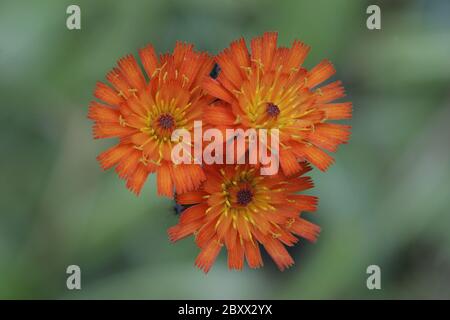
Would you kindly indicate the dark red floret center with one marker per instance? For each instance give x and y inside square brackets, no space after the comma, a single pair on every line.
[166,121]
[244,197]
[272,109]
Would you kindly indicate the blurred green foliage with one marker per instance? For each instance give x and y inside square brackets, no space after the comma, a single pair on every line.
[384,202]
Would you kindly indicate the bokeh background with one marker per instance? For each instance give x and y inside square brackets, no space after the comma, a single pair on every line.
[385,202]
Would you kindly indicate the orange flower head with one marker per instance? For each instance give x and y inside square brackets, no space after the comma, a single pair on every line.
[142,109]
[268,88]
[238,208]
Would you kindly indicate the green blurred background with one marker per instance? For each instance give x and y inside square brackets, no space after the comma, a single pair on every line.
[385,202]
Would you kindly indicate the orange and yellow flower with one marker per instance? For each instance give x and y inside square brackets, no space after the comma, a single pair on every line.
[234,206]
[143,108]
[238,208]
[268,88]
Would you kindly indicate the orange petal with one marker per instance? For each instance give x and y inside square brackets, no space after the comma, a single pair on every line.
[117,79]
[206,66]
[240,54]
[166,150]
[295,56]
[128,165]
[317,157]
[137,139]
[214,88]
[252,254]
[329,135]
[132,72]
[164,180]
[135,104]
[180,51]
[213,183]
[137,180]
[337,111]
[149,59]
[208,255]
[109,130]
[286,237]
[151,149]
[206,233]
[187,177]
[135,121]
[303,202]
[244,228]
[193,213]
[107,94]
[288,162]
[278,253]
[113,155]
[230,238]
[101,112]
[190,221]
[229,69]
[219,115]
[305,229]
[257,49]
[192,197]
[236,256]
[299,184]
[330,92]
[182,231]
[269,45]
[320,73]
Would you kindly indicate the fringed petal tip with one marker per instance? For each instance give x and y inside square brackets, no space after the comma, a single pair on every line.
[173,233]
[306,229]
[207,256]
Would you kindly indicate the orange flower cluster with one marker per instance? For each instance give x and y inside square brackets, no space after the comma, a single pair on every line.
[231,205]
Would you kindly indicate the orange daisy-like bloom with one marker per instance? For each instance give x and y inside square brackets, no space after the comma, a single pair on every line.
[239,208]
[143,109]
[270,89]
